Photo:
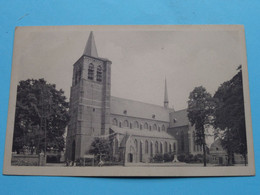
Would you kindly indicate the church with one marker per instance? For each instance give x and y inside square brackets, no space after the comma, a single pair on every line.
[138,130]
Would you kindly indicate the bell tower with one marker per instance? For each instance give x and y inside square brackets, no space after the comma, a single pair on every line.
[89,101]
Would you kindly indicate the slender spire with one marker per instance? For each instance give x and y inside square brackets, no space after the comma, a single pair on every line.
[90,49]
[166,101]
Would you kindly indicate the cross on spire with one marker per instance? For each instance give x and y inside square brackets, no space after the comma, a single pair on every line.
[90,49]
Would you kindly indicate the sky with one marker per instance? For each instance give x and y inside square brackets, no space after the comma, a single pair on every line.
[141,59]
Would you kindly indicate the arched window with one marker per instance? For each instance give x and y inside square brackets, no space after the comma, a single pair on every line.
[170,148]
[194,141]
[120,124]
[78,75]
[174,147]
[99,73]
[163,128]
[115,122]
[145,126]
[146,147]
[156,147]
[151,149]
[126,124]
[182,141]
[91,71]
[165,147]
[161,148]
[116,146]
[141,126]
[136,125]
[136,145]
[141,151]
[150,127]
[159,129]
[154,127]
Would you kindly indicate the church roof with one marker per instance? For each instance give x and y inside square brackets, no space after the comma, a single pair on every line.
[141,133]
[138,109]
[90,49]
[180,117]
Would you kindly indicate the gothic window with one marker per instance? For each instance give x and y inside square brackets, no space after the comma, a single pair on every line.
[126,124]
[151,149]
[116,146]
[136,145]
[163,128]
[174,147]
[170,148]
[182,141]
[154,127]
[115,122]
[120,124]
[78,75]
[145,125]
[91,71]
[99,73]
[146,147]
[165,147]
[136,124]
[161,148]
[156,147]
[150,128]
[194,141]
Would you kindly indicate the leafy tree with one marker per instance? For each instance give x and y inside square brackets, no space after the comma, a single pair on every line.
[230,117]
[200,109]
[41,117]
[101,148]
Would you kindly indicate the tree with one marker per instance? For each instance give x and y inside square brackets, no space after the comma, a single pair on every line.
[101,148]
[230,117]
[41,117]
[200,109]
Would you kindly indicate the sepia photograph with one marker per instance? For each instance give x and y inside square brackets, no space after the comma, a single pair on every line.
[129,101]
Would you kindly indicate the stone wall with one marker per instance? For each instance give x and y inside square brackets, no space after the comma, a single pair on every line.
[27,160]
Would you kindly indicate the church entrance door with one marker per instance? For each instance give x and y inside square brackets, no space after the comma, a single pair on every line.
[220,160]
[130,157]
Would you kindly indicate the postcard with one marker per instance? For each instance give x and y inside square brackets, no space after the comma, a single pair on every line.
[129,101]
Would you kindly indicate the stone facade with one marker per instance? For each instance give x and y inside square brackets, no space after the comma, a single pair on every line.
[89,104]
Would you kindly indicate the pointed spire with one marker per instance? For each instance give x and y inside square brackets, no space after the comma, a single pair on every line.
[166,101]
[90,49]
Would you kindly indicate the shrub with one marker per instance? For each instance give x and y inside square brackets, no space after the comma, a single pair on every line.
[158,158]
[181,158]
[168,157]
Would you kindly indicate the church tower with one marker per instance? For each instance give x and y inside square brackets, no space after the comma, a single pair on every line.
[89,101]
[166,100]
